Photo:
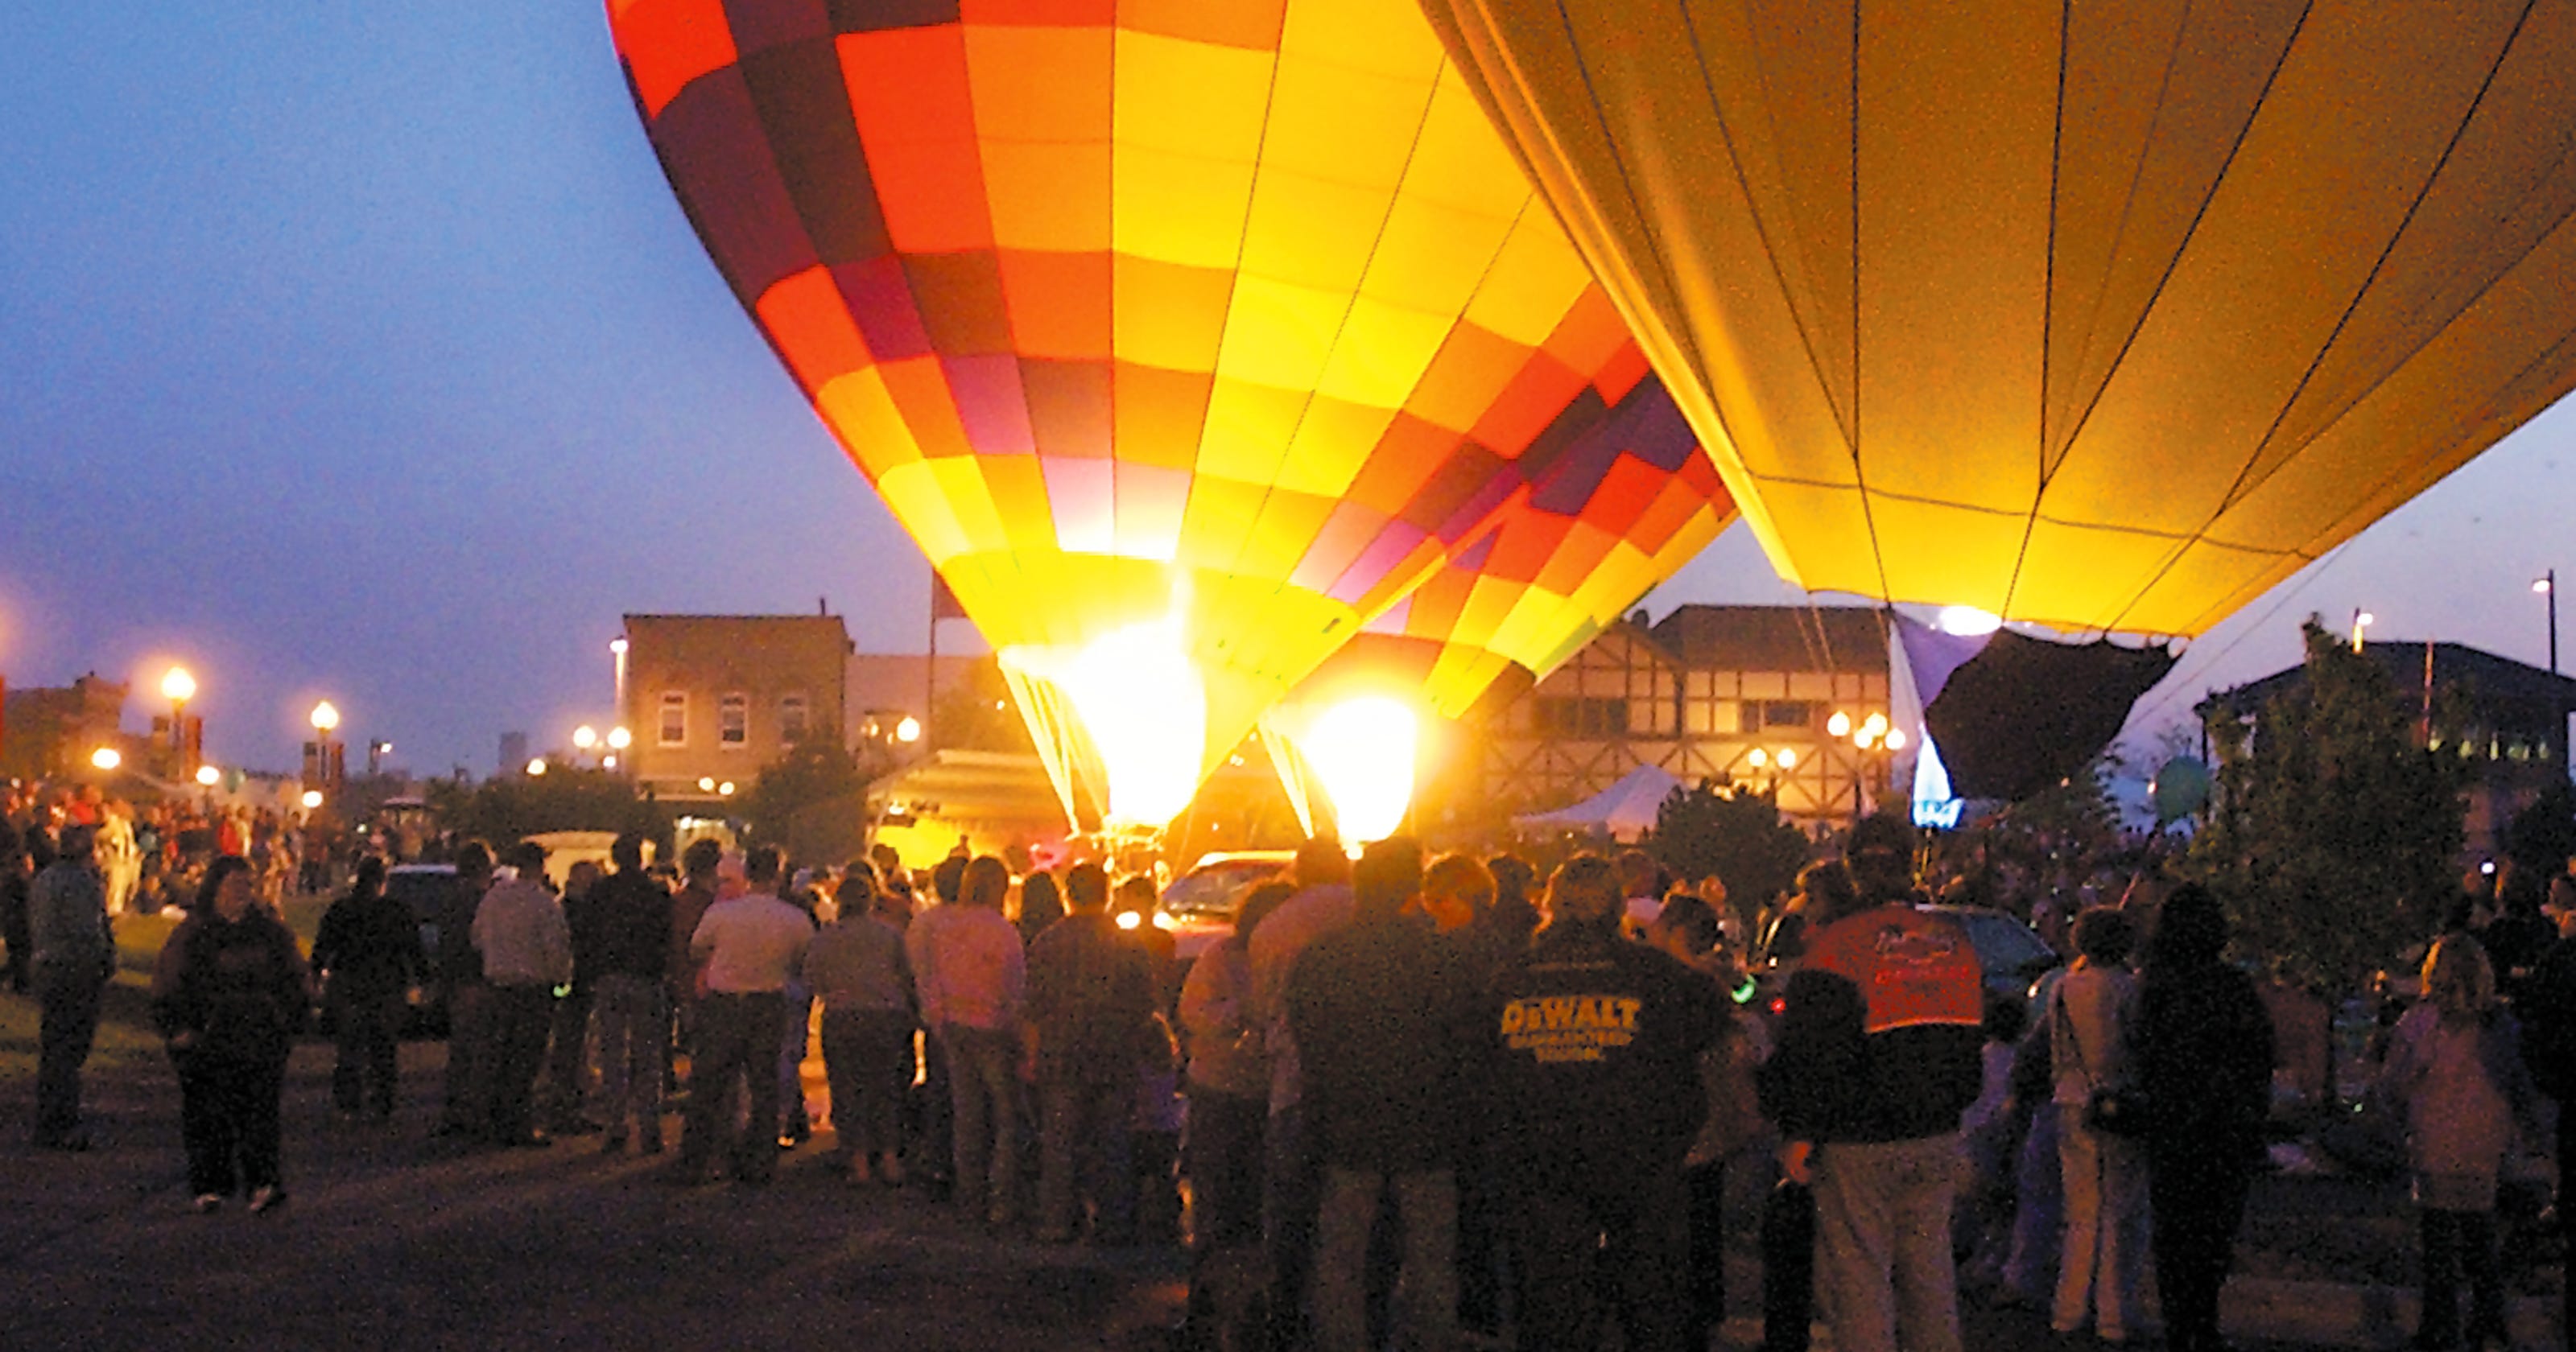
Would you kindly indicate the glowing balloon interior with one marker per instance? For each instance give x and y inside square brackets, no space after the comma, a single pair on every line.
[1363,752]
[1145,710]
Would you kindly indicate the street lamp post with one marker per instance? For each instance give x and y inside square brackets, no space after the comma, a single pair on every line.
[178,687]
[326,720]
[2361,619]
[1871,738]
[617,649]
[2547,585]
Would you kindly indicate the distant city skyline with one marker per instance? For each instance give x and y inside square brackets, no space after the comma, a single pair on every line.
[364,354]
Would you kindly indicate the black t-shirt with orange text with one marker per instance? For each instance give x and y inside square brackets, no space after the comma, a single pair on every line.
[1595,1044]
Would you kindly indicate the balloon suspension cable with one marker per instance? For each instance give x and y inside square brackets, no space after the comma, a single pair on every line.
[1292,773]
[1062,749]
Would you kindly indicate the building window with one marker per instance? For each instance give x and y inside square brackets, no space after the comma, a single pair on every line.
[792,719]
[674,728]
[1583,717]
[1786,713]
[733,721]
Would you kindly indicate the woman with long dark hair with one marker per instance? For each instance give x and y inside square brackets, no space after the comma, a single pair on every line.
[2205,1062]
[229,996]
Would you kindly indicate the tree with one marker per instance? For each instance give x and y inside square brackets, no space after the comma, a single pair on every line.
[2542,837]
[510,807]
[978,714]
[1727,829]
[816,770]
[2333,831]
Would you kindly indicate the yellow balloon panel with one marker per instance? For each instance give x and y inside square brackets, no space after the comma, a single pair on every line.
[2100,316]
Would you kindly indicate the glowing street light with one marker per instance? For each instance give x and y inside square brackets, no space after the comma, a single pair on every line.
[619,739]
[312,799]
[2361,619]
[726,788]
[1871,735]
[585,737]
[209,776]
[536,767]
[617,649]
[1787,756]
[107,758]
[178,685]
[908,731]
[706,783]
[326,719]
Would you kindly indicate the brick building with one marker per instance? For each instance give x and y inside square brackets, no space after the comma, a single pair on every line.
[713,698]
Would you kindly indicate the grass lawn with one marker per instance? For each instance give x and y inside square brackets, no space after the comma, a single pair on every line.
[125,1032]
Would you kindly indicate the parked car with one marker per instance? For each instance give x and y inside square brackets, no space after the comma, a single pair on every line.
[1201,903]
[427,890]
[2011,954]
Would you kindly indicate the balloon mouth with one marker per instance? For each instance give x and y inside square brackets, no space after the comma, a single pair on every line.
[1363,752]
[1142,706]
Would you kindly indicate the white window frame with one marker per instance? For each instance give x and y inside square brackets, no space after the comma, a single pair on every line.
[733,721]
[672,700]
[795,718]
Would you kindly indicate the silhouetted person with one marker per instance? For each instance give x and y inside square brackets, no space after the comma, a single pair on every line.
[229,996]
[367,955]
[1385,1019]
[2205,1061]
[74,957]
[1090,1016]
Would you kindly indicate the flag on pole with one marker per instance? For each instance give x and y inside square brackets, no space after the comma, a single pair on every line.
[943,602]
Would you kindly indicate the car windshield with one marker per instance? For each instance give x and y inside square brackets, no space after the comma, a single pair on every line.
[1216,889]
[2005,946]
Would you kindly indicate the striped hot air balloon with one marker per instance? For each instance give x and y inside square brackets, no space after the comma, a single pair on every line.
[1185,336]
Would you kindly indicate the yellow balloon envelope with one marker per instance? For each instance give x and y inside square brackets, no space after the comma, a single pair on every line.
[1184,335]
[2106,316]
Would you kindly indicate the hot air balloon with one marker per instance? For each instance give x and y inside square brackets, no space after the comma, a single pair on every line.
[1623,506]
[2102,316]
[1184,337]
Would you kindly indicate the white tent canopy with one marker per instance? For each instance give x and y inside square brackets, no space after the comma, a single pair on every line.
[1625,810]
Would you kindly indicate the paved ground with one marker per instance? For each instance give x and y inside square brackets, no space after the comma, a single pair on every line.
[390,1242]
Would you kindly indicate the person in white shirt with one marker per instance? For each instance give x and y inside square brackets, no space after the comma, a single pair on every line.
[749,944]
[527,951]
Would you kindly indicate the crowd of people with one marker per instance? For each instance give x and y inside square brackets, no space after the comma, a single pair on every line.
[1427,1096]
[155,855]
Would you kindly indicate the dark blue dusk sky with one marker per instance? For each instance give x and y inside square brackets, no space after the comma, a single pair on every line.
[360,351]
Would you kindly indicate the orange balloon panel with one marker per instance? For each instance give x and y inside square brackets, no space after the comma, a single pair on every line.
[2107,316]
[1625,507]
[1235,308]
